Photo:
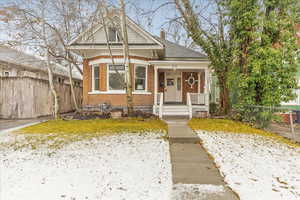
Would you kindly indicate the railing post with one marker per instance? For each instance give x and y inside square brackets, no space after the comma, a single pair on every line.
[189,104]
[291,123]
[207,101]
[161,105]
[155,91]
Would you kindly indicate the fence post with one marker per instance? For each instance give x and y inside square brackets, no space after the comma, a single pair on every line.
[291,122]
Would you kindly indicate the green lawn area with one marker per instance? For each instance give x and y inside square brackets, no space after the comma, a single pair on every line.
[230,126]
[57,133]
[97,126]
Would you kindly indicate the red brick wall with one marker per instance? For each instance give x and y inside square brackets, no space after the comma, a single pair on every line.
[114,99]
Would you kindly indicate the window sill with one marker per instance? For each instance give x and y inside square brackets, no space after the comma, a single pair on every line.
[119,92]
[141,92]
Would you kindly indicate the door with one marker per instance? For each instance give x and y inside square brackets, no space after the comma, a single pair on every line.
[173,86]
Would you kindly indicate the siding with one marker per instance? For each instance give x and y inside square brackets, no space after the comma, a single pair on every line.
[133,37]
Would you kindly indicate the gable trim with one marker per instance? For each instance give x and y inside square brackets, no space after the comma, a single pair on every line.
[131,24]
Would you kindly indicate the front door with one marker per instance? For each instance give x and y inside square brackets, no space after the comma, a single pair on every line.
[173,87]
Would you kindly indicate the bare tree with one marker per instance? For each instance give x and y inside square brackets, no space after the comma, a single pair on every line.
[64,22]
[126,58]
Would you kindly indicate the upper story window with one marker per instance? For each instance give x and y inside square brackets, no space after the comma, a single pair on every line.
[116,77]
[96,77]
[113,35]
[140,78]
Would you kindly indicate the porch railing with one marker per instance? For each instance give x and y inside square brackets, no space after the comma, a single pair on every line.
[199,98]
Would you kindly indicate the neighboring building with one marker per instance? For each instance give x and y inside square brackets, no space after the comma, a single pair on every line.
[24,86]
[168,79]
[14,63]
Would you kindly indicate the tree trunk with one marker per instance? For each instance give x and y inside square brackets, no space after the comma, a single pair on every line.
[224,97]
[128,78]
[72,87]
[52,88]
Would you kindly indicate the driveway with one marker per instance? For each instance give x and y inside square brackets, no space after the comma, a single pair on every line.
[9,124]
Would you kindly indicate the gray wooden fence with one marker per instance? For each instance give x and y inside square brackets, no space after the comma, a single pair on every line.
[25,97]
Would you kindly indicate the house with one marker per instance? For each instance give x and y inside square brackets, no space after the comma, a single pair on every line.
[24,86]
[14,63]
[168,79]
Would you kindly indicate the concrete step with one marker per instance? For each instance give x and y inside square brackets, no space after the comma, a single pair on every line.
[166,108]
[175,113]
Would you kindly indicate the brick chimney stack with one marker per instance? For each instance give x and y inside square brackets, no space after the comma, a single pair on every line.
[162,34]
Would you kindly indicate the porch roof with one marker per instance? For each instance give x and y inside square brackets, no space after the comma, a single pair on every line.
[176,51]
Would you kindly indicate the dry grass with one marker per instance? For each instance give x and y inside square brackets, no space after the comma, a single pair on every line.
[96,126]
[54,134]
[230,126]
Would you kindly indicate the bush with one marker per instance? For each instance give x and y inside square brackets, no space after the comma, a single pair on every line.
[213,109]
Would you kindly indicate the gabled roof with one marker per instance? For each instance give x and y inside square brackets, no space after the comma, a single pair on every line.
[130,24]
[173,50]
[13,56]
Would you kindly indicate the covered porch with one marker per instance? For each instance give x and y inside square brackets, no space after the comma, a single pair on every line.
[181,88]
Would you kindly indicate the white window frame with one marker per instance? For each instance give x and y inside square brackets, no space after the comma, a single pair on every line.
[146,78]
[117,38]
[93,77]
[107,80]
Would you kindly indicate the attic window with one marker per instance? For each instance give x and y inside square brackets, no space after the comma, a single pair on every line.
[113,35]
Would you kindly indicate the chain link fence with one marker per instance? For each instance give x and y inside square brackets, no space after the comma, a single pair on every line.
[284,120]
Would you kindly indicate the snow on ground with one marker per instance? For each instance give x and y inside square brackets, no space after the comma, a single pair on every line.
[254,166]
[129,166]
[197,191]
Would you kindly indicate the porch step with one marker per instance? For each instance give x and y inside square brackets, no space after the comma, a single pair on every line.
[176,110]
[175,113]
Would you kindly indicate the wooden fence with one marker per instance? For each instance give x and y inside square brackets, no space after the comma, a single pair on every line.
[25,97]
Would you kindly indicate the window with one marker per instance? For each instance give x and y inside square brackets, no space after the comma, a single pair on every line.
[96,70]
[116,77]
[60,80]
[179,83]
[140,78]
[113,35]
[6,74]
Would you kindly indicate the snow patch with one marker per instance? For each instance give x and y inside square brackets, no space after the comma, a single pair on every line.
[196,191]
[254,166]
[117,167]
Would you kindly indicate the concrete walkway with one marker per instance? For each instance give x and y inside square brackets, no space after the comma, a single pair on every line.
[6,124]
[192,165]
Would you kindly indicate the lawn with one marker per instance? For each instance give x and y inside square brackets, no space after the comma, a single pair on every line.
[97,126]
[256,164]
[57,133]
[230,126]
[93,159]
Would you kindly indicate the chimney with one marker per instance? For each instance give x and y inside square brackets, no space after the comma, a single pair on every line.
[162,34]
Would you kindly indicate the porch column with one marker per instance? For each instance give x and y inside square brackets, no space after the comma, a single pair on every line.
[206,89]
[155,89]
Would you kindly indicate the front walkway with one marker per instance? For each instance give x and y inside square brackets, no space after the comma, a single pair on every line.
[192,165]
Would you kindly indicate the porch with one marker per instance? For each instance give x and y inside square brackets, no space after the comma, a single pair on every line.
[181,90]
